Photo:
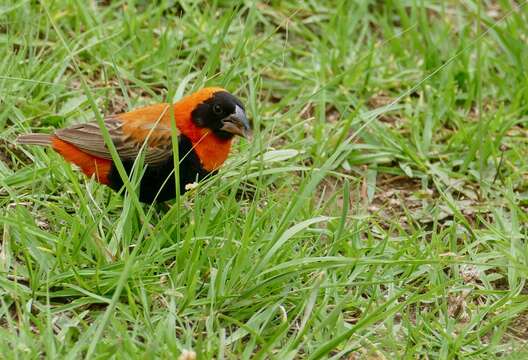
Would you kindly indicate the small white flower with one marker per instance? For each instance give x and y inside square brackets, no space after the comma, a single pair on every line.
[187,355]
[191,186]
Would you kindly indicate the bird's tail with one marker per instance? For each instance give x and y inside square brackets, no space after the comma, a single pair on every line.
[35,139]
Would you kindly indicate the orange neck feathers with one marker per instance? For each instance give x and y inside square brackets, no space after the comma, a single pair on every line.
[211,150]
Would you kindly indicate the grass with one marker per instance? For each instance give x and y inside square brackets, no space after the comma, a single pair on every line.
[380,212]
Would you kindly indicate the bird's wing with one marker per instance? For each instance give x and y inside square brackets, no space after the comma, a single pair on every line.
[127,136]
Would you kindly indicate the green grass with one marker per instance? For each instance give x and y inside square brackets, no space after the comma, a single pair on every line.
[380,212]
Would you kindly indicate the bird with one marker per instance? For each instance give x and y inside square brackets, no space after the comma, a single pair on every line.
[207,122]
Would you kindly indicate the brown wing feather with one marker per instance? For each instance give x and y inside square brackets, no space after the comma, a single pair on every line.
[88,138]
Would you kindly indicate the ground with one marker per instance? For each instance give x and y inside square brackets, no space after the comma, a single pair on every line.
[380,211]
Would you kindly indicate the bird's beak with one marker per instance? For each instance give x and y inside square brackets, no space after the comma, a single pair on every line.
[237,124]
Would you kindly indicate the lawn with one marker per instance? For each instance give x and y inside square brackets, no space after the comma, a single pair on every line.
[380,211]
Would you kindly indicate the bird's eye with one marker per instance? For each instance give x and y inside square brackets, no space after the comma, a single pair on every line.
[217,109]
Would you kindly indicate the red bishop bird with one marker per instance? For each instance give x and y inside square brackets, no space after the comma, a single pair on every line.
[207,122]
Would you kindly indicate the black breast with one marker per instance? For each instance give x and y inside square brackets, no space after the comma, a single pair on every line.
[158,182]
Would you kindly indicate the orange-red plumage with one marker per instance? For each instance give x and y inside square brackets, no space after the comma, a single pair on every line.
[90,165]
